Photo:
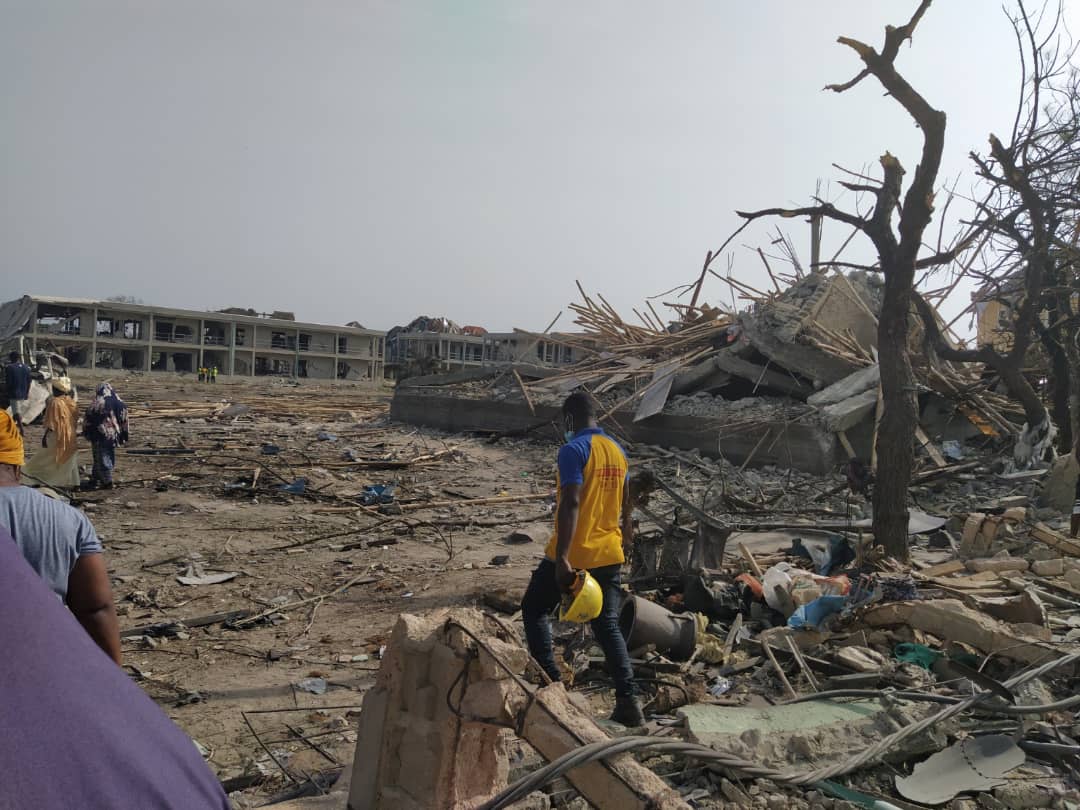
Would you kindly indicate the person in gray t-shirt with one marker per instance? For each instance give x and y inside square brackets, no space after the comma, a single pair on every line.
[60,544]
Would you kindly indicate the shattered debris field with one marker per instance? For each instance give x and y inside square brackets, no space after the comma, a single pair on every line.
[265,539]
[318,580]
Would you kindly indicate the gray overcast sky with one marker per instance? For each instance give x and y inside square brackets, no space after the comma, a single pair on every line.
[373,161]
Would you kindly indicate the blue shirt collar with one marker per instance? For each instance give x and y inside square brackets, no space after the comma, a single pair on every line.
[594,431]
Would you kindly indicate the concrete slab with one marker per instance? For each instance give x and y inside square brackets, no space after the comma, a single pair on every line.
[805,735]
[853,384]
[709,725]
[849,412]
[801,446]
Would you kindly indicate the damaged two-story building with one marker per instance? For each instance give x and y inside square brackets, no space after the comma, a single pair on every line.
[115,335]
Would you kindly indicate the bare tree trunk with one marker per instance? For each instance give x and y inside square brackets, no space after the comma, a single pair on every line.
[895,443]
[1053,341]
[1009,368]
[1072,351]
[897,253]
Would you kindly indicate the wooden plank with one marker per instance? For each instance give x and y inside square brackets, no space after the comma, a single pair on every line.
[749,557]
[928,446]
[525,392]
[943,569]
[982,580]
[846,444]
[1044,534]
[753,452]
[732,637]
[540,496]
[877,423]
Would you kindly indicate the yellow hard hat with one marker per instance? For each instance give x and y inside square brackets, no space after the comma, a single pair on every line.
[584,602]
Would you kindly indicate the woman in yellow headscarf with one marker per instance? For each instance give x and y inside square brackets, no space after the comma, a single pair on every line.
[57,465]
[11,442]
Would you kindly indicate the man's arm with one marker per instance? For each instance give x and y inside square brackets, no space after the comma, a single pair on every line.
[627,520]
[90,598]
[565,526]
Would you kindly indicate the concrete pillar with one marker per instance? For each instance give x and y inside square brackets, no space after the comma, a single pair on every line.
[231,369]
[337,345]
[296,358]
[93,341]
[150,342]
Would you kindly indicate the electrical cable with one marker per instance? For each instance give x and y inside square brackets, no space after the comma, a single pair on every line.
[929,697]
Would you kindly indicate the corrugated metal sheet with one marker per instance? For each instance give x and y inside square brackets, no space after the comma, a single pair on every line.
[14,316]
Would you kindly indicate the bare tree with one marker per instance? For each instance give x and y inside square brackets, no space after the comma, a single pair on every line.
[1029,212]
[898,244]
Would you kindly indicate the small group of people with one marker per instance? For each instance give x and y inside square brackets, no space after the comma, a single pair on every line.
[208,374]
[64,699]
[104,426]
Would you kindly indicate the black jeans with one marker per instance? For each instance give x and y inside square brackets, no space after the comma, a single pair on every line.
[543,596]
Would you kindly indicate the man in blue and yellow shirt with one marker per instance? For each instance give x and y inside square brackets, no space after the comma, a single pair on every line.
[592,528]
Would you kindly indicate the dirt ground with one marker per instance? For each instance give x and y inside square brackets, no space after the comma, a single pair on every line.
[198,511]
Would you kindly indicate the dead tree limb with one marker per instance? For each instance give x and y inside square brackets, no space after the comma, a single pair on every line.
[898,248]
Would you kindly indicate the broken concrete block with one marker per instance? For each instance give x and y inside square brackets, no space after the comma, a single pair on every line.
[1072,576]
[790,735]
[554,726]
[433,733]
[971,527]
[861,659]
[704,376]
[951,619]
[1015,514]
[729,362]
[849,412]
[535,533]
[412,751]
[863,380]
[1020,794]
[997,564]
[1059,486]
[1044,534]
[1049,568]
[1024,608]
[980,534]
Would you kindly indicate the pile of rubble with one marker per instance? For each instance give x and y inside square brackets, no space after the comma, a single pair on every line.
[801,669]
[797,367]
[787,662]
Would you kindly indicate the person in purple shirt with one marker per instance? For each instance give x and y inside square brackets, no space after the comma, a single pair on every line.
[74,730]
